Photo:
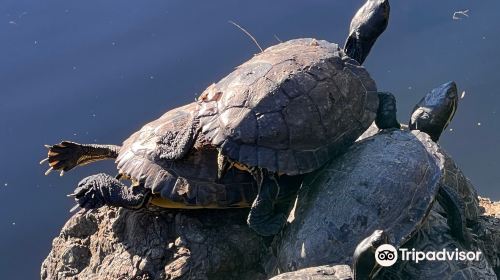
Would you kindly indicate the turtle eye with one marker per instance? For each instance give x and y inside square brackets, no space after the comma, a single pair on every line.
[425,116]
[451,94]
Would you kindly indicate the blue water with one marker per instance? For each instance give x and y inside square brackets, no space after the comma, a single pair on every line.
[95,71]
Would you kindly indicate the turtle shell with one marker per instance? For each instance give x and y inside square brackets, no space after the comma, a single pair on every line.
[290,108]
[388,182]
[451,177]
[167,156]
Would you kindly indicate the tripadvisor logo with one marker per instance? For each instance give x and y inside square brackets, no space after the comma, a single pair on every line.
[387,255]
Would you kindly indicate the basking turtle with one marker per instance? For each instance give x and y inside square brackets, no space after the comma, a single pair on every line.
[190,182]
[291,108]
[390,181]
[283,113]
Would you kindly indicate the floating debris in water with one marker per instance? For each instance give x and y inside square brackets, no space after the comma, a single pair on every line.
[247,33]
[36,42]
[458,15]
[463,95]
[13,223]
[12,22]
[75,134]
[451,129]
[478,124]
[74,67]
[113,43]
[410,88]
[151,77]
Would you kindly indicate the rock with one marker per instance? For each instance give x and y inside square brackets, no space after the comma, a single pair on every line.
[325,272]
[491,208]
[112,243]
[488,231]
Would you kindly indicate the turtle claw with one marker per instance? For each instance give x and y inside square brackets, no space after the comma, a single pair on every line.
[63,156]
[62,173]
[49,170]
[73,209]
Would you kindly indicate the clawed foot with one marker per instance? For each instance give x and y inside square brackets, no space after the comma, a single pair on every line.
[101,189]
[263,217]
[90,191]
[271,208]
[267,226]
[63,156]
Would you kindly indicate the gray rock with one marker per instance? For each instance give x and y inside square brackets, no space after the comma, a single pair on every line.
[123,244]
[113,243]
[325,272]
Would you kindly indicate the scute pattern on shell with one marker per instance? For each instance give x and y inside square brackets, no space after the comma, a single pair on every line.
[386,182]
[289,108]
[166,156]
[452,177]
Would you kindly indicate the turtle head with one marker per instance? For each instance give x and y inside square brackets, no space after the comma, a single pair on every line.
[435,111]
[369,22]
[364,263]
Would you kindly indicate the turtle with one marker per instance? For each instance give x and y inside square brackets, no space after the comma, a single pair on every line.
[278,116]
[291,108]
[189,183]
[396,180]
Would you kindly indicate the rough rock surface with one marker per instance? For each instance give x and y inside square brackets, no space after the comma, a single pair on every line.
[324,272]
[113,243]
[121,244]
[488,231]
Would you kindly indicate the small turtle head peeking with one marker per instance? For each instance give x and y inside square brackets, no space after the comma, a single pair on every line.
[435,111]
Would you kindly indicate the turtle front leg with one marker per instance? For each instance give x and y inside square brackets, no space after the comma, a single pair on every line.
[364,264]
[223,165]
[67,155]
[386,113]
[271,207]
[101,189]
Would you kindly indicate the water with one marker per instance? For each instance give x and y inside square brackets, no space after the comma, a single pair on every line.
[95,71]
